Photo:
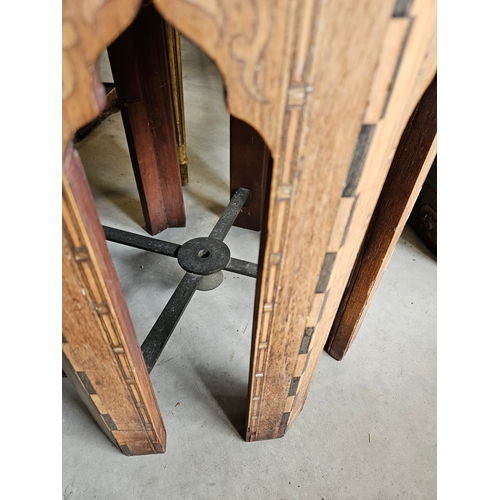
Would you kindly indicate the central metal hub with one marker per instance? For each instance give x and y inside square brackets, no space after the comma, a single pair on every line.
[204,256]
[203,260]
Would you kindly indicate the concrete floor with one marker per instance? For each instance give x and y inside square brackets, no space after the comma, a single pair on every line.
[368,428]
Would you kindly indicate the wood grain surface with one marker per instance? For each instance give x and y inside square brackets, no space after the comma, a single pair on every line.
[329,86]
[250,164]
[410,166]
[140,65]
[101,354]
[87,29]
[371,160]
[302,74]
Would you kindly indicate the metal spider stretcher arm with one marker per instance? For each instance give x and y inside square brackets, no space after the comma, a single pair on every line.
[201,258]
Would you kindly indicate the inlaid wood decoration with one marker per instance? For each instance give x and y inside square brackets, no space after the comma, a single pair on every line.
[329,85]
[100,354]
[412,162]
[406,65]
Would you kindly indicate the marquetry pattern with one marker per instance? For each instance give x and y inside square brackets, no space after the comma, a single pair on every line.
[91,287]
[333,270]
[288,169]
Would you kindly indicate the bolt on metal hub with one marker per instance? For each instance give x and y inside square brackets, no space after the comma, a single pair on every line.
[204,256]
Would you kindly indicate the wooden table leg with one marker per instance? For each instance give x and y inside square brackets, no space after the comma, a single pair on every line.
[411,163]
[330,86]
[291,335]
[101,354]
[250,164]
[140,67]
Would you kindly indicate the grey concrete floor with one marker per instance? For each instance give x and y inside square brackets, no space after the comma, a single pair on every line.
[368,428]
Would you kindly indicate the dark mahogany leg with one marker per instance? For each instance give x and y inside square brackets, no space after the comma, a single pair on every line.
[250,163]
[139,63]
